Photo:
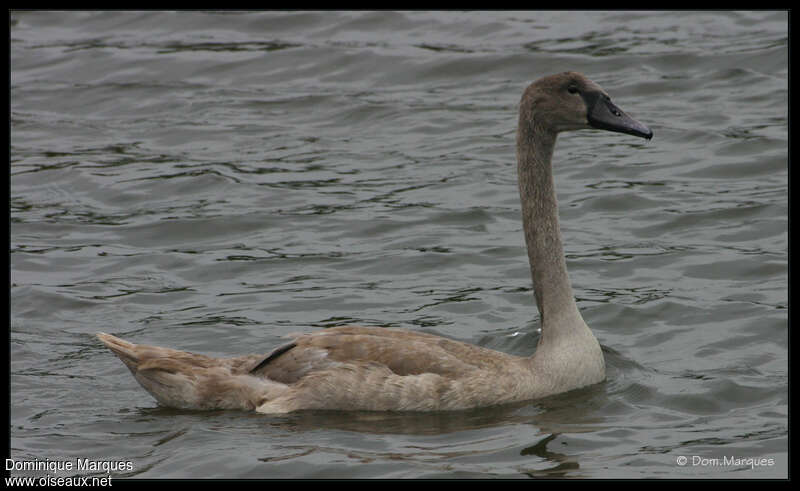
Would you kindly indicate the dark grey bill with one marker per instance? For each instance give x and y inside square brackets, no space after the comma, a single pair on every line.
[605,115]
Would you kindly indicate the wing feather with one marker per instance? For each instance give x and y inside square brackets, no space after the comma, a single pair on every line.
[403,352]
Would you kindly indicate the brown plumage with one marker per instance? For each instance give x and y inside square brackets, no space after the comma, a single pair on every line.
[367,368]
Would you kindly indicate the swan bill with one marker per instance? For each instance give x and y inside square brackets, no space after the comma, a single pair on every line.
[605,115]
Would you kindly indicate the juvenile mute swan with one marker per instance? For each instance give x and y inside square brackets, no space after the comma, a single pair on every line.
[368,368]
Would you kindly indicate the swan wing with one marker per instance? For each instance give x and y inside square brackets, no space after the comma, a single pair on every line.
[402,352]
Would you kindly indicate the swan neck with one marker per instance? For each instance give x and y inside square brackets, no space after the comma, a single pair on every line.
[551,285]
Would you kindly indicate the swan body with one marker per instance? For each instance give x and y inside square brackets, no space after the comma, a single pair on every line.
[369,368]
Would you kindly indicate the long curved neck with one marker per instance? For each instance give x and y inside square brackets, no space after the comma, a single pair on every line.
[551,284]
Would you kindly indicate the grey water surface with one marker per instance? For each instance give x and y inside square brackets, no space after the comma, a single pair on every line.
[214,181]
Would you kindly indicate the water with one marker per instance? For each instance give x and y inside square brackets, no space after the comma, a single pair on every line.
[216,181]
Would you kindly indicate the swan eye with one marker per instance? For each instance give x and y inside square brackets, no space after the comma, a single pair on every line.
[572,89]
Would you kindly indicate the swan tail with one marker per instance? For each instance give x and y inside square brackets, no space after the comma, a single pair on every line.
[189,381]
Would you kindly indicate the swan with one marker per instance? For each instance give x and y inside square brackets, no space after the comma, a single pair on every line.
[380,369]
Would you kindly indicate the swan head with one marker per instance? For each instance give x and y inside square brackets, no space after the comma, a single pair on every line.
[569,101]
